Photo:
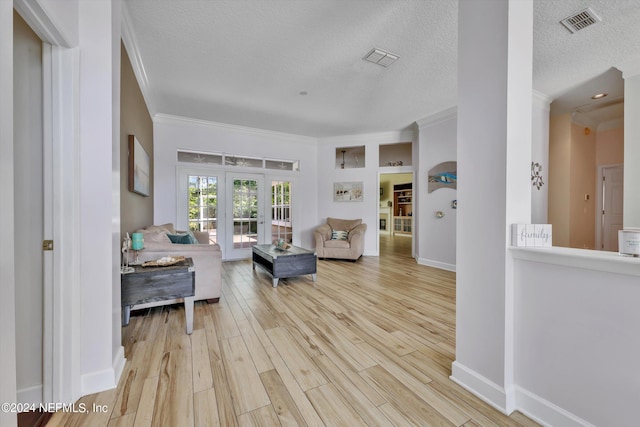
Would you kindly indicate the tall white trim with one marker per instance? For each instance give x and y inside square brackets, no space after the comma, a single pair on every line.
[479,385]
[442,116]
[66,305]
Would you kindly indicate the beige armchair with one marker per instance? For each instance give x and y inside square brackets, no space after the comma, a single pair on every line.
[340,238]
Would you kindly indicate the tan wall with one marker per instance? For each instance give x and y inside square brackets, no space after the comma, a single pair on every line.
[583,186]
[136,211]
[559,173]
[610,147]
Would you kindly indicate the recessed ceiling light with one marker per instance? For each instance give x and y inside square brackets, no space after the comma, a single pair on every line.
[380,57]
[304,92]
[599,95]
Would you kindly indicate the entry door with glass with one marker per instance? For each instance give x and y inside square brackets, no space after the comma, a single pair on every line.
[246,213]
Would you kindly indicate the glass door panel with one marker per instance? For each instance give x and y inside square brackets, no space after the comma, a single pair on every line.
[281,219]
[203,205]
[246,212]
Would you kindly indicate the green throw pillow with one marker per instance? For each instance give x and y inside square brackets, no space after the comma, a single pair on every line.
[183,239]
[339,235]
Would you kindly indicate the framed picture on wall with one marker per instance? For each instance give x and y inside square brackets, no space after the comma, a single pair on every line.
[139,168]
[348,191]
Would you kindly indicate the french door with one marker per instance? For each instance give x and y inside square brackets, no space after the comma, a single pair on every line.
[245,207]
[238,210]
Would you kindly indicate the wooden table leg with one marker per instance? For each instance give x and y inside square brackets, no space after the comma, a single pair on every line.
[188,311]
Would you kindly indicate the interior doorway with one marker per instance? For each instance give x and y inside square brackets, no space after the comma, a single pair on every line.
[610,198]
[395,214]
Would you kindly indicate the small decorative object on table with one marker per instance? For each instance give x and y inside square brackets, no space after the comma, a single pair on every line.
[281,245]
[137,244]
[164,261]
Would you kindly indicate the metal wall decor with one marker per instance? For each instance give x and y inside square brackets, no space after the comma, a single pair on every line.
[536,175]
[443,175]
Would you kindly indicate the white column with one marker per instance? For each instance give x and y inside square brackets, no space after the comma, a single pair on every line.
[99,272]
[494,190]
[631,76]
[7,273]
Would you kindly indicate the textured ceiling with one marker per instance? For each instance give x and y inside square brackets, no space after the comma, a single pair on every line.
[245,62]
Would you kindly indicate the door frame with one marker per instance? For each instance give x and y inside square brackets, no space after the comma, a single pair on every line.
[600,201]
[414,225]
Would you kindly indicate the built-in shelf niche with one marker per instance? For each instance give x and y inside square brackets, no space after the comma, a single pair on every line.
[350,157]
[398,154]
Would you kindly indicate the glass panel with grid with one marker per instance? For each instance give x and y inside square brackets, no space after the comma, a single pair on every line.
[281,219]
[203,205]
[245,213]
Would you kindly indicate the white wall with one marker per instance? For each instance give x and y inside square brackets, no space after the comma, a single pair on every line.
[367,210]
[29,205]
[631,75]
[173,133]
[438,143]
[577,343]
[540,154]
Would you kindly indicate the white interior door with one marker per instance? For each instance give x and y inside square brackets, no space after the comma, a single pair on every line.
[245,212]
[612,196]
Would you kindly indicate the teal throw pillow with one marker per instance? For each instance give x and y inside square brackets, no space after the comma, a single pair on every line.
[339,235]
[192,237]
[183,239]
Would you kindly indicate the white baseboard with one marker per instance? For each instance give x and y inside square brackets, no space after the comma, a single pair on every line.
[31,394]
[479,385]
[544,412]
[118,364]
[535,407]
[106,379]
[437,264]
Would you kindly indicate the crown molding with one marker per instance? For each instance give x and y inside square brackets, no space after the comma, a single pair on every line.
[169,119]
[38,19]
[439,117]
[391,137]
[131,45]
[542,100]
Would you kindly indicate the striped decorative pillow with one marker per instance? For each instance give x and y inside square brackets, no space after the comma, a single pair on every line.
[339,235]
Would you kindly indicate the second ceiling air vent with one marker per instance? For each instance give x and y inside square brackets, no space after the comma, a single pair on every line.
[380,57]
[580,20]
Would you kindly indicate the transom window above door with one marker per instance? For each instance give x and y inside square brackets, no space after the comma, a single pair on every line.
[237,160]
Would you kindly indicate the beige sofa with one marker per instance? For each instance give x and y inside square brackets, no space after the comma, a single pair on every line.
[350,248]
[207,260]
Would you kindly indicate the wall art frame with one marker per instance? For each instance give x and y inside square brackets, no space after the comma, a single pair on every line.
[139,168]
[348,191]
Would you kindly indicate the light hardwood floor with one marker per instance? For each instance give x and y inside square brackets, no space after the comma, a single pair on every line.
[369,344]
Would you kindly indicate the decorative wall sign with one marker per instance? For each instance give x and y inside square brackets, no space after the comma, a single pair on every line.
[536,175]
[348,191]
[443,175]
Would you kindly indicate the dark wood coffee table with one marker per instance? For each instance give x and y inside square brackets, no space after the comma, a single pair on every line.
[148,284]
[280,264]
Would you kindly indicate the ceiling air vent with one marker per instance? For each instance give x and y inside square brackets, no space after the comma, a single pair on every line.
[380,57]
[580,20]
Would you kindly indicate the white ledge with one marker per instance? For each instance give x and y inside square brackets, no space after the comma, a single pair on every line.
[609,262]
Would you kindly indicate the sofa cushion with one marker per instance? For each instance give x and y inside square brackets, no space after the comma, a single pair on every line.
[343,224]
[341,244]
[339,235]
[167,228]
